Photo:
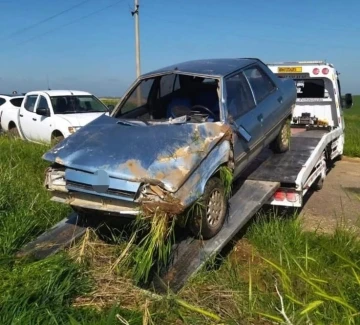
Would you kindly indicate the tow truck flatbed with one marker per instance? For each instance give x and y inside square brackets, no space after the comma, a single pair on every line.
[285,168]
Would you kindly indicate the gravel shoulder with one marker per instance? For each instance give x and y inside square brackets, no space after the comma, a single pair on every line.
[338,201]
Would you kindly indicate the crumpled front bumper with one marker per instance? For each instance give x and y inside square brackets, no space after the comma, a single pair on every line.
[65,187]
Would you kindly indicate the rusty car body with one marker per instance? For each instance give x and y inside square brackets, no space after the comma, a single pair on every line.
[164,142]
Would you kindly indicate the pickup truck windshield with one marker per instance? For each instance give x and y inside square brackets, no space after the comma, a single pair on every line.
[77,104]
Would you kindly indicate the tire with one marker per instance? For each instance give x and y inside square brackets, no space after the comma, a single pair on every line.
[338,158]
[14,132]
[282,141]
[204,223]
[318,184]
[55,139]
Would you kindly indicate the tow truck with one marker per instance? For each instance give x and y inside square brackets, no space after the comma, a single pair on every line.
[317,139]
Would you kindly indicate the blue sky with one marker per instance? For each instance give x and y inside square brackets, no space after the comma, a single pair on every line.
[97,53]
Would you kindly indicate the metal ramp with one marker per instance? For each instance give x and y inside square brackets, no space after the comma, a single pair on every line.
[60,236]
[191,254]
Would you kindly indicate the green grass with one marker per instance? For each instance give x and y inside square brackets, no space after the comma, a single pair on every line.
[352,129]
[316,275]
[110,101]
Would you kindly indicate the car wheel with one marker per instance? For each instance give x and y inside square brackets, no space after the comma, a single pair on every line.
[282,141]
[14,132]
[55,139]
[209,213]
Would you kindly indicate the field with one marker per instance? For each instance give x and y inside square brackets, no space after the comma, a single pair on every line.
[110,101]
[273,273]
[352,129]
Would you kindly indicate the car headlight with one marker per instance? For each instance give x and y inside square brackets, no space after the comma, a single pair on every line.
[73,129]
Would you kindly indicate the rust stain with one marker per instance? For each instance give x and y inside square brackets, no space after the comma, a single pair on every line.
[160,175]
[134,166]
[59,161]
[172,208]
[178,153]
[177,174]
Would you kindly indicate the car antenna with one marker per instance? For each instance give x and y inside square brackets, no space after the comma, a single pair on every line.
[47,81]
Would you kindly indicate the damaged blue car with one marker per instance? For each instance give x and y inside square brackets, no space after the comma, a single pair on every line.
[165,142]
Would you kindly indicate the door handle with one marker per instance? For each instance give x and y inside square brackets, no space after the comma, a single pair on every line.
[34,119]
[21,115]
[260,118]
[280,99]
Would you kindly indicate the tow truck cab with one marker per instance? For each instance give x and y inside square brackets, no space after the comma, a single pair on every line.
[319,99]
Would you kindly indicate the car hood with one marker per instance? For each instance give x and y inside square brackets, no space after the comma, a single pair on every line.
[80,119]
[162,154]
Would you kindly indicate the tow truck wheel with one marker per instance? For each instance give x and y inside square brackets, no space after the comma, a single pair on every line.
[209,213]
[318,185]
[282,141]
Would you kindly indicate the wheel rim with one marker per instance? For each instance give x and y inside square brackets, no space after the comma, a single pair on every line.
[215,207]
[285,135]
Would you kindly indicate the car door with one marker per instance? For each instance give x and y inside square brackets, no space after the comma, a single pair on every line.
[27,117]
[44,123]
[268,96]
[245,118]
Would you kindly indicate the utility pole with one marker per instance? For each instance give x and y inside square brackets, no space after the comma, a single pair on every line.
[137,37]
[137,48]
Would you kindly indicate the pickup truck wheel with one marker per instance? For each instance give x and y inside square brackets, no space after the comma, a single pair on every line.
[55,139]
[209,213]
[14,132]
[282,141]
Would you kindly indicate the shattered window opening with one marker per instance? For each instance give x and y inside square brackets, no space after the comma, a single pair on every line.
[173,96]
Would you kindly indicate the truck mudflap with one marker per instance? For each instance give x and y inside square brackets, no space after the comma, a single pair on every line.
[191,254]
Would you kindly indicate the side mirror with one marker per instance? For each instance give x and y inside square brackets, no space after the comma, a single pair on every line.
[111,107]
[347,101]
[240,130]
[43,111]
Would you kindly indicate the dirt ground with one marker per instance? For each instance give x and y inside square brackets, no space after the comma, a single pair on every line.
[338,201]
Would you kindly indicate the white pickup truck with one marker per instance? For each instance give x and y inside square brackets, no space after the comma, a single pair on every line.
[50,116]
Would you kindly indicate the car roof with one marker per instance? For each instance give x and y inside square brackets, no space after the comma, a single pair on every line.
[11,96]
[206,67]
[59,92]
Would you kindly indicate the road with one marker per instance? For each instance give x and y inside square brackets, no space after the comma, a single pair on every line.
[338,200]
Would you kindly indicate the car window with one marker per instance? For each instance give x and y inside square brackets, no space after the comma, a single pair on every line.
[77,104]
[16,101]
[138,97]
[2,101]
[168,84]
[239,97]
[260,82]
[43,103]
[30,102]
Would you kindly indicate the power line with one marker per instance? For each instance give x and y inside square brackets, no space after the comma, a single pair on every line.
[21,30]
[68,24]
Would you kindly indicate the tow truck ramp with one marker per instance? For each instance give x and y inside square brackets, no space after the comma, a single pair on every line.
[192,254]
[60,236]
